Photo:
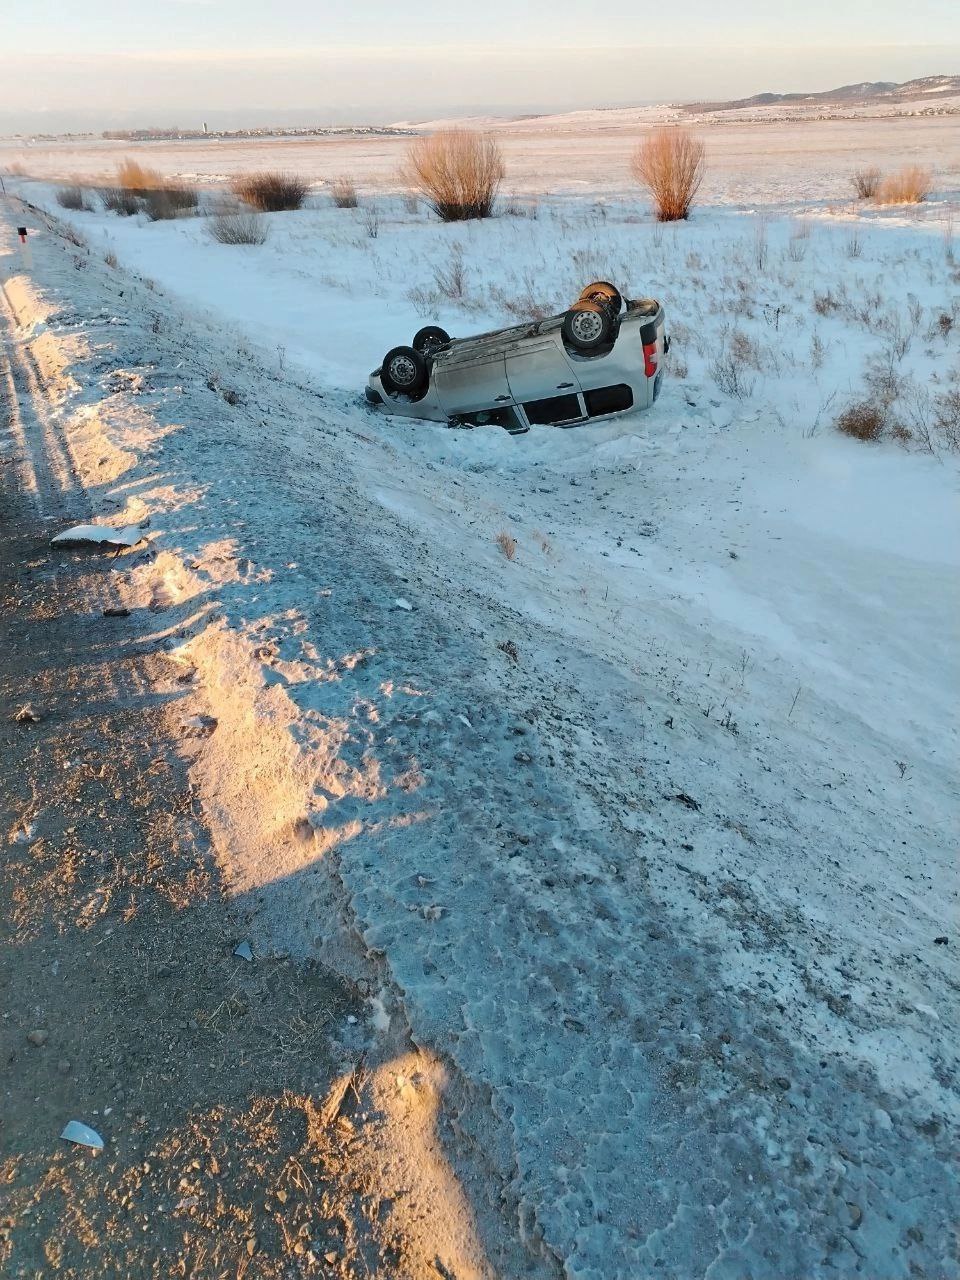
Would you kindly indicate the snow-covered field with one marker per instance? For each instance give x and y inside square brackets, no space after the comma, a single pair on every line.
[582,153]
[653,825]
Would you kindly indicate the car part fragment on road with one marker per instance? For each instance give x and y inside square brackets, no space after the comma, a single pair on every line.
[82,1135]
[99,534]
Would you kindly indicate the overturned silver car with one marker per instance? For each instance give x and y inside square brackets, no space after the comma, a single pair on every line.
[602,357]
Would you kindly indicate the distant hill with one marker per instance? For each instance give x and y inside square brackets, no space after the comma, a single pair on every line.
[929,88]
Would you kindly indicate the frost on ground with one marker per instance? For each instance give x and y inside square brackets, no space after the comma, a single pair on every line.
[647,826]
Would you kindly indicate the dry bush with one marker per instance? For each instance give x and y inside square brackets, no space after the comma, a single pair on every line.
[728,373]
[451,280]
[73,198]
[670,163]
[133,176]
[238,228]
[271,191]
[170,201]
[116,200]
[866,183]
[457,171]
[110,259]
[863,420]
[948,418]
[344,194]
[910,185]
[141,188]
[506,544]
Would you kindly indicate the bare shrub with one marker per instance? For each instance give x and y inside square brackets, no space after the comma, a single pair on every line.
[506,544]
[139,187]
[343,193]
[728,373]
[370,219]
[457,171]
[670,163]
[948,418]
[73,198]
[133,176]
[238,228]
[863,420]
[110,259]
[825,304]
[866,182]
[797,246]
[910,185]
[271,191]
[451,280]
[117,200]
[745,350]
[169,201]
[854,246]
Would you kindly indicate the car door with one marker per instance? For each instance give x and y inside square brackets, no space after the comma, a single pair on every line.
[469,384]
[541,379]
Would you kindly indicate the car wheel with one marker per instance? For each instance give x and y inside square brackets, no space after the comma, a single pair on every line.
[404,373]
[587,326]
[603,291]
[430,339]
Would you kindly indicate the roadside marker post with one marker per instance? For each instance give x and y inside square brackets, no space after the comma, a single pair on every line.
[25,252]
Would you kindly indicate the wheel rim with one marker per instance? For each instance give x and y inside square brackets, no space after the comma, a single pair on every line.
[403,371]
[587,326]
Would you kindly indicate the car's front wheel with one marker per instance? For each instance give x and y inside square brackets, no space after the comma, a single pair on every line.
[404,373]
[587,325]
[430,339]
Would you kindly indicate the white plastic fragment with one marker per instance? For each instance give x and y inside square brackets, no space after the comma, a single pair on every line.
[244,951]
[101,534]
[400,603]
[82,1135]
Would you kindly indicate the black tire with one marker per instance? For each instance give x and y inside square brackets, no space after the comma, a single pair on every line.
[404,373]
[430,339]
[603,291]
[588,326]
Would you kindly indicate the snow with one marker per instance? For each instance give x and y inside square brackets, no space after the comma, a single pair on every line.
[661,888]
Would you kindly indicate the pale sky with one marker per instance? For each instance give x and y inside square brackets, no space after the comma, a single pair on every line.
[96,63]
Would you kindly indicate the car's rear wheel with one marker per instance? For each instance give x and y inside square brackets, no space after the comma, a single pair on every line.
[430,339]
[603,291]
[404,373]
[587,325]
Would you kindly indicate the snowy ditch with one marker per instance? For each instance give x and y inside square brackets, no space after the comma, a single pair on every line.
[619,822]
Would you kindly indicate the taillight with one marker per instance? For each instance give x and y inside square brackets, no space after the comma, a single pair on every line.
[650,358]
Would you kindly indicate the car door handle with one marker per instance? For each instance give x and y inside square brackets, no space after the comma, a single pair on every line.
[501,398]
[562,385]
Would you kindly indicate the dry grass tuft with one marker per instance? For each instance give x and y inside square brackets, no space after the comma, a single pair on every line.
[141,189]
[343,192]
[271,191]
[910,185]
[863,420]
[506,543]
[457,171]
[169,201]
[116,200]
[670,163]
[73,198]
[238,228]
[866,183]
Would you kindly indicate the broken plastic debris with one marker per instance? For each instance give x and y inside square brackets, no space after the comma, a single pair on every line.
[199,725]
[27,715]
[400,603]
[103,534]
[243,950]
[82,1135]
